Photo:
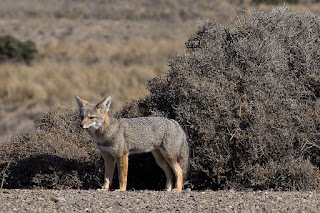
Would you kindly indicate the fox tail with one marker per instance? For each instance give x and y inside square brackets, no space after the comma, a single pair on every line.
[184,158]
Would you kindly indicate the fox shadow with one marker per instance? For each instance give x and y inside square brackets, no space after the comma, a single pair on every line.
[53,172]
[50,172]
[144,173]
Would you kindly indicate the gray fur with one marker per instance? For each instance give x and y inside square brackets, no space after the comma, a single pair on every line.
[119,137]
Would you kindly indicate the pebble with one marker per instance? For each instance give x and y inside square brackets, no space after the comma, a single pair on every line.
[187,190]
[58,199]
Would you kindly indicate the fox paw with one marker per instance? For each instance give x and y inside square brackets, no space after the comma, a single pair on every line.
[176,190]
[168,190]
[120,190]
[105,188]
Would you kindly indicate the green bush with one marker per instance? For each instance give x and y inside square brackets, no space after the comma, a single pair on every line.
[13,50]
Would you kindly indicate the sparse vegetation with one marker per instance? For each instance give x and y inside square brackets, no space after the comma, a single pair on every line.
[247,96]
[112,65]
[124,43]
[126,10]
[276,2]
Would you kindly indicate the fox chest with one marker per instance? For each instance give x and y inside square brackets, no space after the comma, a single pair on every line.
[107,145]
[109,149]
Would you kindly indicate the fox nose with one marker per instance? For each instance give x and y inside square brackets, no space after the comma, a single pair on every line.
[81,125]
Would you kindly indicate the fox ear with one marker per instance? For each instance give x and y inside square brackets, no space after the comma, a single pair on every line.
[81,102]
[106,103]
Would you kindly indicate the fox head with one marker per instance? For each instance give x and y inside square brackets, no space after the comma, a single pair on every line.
[93,115]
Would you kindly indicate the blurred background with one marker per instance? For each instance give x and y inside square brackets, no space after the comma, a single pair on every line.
[97,48]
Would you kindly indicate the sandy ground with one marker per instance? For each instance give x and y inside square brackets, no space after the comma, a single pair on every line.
[156,201]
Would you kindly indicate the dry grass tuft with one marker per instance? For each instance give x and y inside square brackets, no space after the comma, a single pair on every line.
[91,68]
[59,155]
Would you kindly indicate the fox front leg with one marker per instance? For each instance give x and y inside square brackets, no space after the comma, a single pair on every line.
[122,163]
[109,164]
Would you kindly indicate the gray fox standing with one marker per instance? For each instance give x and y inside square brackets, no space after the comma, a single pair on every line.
[117,138]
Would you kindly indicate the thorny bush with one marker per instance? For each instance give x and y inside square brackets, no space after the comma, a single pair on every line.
[248,99]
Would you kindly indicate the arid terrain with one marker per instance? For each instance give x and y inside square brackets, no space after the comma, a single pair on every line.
[156,201]
[95,49]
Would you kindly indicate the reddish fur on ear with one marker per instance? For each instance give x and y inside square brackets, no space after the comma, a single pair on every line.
[81,101]
[105,103]
[85,103]
[105,115]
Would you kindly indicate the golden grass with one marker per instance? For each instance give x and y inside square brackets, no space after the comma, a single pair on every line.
[91,69]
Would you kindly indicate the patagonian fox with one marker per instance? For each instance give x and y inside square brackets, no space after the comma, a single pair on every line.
[116,138]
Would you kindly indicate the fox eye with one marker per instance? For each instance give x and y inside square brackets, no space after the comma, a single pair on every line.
[92,117]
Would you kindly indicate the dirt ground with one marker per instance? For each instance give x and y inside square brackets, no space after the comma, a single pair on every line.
[156,201]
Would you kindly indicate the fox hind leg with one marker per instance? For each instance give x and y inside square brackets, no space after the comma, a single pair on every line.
[179,175]
[162,162]
[176,168]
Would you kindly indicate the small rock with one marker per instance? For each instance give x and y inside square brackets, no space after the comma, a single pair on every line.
[187,190]
[58,199]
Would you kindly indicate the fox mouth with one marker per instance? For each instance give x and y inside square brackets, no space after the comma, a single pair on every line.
[94,125]
[84,126]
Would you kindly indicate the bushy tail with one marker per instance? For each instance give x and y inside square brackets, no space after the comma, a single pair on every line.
[184,157]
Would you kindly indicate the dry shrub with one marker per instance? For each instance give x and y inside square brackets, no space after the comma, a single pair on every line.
[288,173]
[248,99]
[59,155]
